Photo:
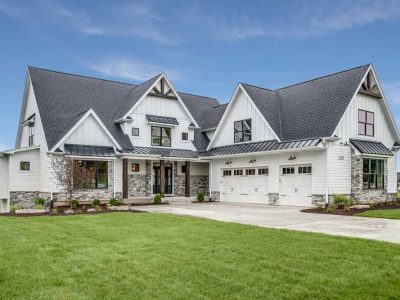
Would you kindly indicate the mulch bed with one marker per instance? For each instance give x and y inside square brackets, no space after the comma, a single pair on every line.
[353,211]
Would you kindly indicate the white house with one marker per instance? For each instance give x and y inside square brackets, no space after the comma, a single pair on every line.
[297,145]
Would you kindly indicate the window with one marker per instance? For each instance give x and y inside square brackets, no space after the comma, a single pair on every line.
[183,169]
[160,136]
[263,171]
[242,131]
[185,136]
[135,167]
[100,180]
[373,174]
[24,165]
[135,131]
[304,170]
[365,123]
[226,173]
[286,171]
[250,171]
[31,133]
[238,172]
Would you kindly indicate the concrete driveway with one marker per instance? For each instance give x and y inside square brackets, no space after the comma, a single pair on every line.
[284,217]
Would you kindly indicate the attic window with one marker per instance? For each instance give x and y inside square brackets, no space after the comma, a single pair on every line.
[365,123]
[135,131]
[242,131]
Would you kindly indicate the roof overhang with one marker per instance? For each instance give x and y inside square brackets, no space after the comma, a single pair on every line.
[13,151]
[370,148]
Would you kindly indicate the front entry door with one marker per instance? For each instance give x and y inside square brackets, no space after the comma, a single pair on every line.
[156,180]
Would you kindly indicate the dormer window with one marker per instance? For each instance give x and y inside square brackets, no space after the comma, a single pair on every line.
[365,123]
[242,131]
[160,136]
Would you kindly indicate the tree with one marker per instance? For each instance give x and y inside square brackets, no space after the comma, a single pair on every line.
[70,174]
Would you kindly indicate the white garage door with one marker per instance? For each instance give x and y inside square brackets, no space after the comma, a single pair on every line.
[295,186]
[245,185]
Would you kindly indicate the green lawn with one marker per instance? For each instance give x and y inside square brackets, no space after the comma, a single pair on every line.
[387,214]
[142,256]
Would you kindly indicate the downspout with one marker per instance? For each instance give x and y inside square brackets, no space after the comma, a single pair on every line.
[210,178]
[113,178]
[327,176]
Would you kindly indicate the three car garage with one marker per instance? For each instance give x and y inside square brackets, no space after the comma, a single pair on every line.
[251,185]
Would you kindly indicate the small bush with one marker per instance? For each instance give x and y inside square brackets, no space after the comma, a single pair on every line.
[39,201]
[114,202]
[331,208]
[344,201]
[389,203]
[54,211]
[74,203]
[319,206]
[200,196]
[398,196]
[157,199]
[14,208]
[96,202]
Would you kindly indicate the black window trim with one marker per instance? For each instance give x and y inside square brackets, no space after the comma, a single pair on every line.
[160,136]
[242,131]
[370,174]
[31,134]
[138,131]
[96,176]
[366,122]
[187,136]
[21,163]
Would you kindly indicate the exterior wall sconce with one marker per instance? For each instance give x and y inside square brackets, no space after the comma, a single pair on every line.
[292,157]
[228,162]
[252,161]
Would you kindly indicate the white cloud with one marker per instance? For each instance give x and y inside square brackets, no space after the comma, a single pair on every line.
[392,92]
[131,69]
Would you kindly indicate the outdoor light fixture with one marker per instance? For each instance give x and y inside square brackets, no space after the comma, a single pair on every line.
[252,161]
[228,162]
[292,157]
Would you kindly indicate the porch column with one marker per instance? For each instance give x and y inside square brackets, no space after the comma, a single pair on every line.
[125,178]
[162,178]
[187,179]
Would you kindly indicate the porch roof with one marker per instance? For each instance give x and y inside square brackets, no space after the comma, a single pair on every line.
[162,120]
[371,147]
[163,152]
[87,150]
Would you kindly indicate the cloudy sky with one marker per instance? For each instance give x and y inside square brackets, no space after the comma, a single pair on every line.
[205,47]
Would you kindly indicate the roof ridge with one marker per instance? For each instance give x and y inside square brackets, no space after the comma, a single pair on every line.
[258,87]
[220,105]
[324,76]
[83,76]
[198,96]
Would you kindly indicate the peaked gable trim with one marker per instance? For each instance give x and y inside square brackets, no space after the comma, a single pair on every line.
[90,112]
[386,109]
[227,110]
[148,92]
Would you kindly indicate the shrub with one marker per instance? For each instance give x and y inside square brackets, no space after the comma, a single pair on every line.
[14,208]
[96,202]
[114,202]
[398,196]
[343,200]
[39,201]
[54,211]
[74,203]
[331,207]
[200,196]
[157,199]
[319,206]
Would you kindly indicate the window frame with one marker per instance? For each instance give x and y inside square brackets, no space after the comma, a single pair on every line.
[24,163]
[31,134]
[134,169]
[250,172]
[285,169]
[378,174]
[263,171]
[138,131]
[187,136]
[365,123]
[226,173]
[306,170]
[238,172]
[161,137]
[240,134]
[96,176]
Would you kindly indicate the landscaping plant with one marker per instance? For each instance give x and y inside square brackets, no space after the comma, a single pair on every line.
[96,203]
[114,202]
[200,196]
[157,199]
[74,203]
[342,200]
[331,207]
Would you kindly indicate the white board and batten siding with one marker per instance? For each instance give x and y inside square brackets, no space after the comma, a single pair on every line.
[161,107]
[25,181]
[4,184]
[339,168]
[348,126]
[242,108]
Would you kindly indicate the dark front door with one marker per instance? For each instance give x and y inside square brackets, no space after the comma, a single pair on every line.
[156,180]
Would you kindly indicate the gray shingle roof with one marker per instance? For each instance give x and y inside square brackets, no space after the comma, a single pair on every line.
[309,109]
[272,145]
[370,147]
[212,116]
[64,98]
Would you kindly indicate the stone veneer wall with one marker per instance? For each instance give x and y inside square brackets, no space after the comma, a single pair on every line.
[198,183]
[364,196]
[24,199]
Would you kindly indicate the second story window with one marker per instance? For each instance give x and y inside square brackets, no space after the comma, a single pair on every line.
[185,136]
[135,131]
[365,123]
[31,133]
[160,136]
[242,131]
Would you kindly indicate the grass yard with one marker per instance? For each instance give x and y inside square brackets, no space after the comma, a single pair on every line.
[386,214]
[143,256]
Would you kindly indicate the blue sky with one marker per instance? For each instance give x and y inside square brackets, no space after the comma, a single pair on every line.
[205,47]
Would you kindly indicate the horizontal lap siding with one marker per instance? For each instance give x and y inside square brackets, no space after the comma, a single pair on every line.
[392,175]
[4,178]
[25,181]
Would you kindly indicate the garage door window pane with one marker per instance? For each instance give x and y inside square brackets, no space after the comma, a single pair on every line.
[250,171]
[238,172]
[263,171]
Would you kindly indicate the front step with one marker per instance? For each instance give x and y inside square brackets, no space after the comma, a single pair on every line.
[179,200]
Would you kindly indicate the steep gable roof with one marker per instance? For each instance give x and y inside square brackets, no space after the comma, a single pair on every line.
[212,116]
[63,98]
[309,109]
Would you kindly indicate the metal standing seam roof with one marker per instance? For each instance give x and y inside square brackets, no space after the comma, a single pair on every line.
[86,150]
[162,120]
[164,152]
[371,147]
[271,145]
